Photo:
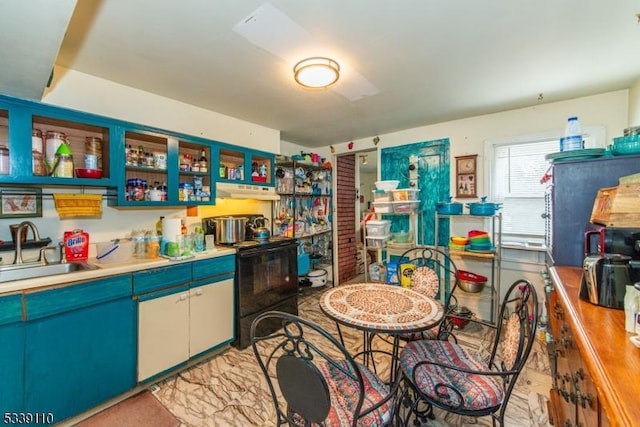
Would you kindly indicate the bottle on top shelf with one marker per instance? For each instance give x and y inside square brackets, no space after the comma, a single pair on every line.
[203,161]
[572,139]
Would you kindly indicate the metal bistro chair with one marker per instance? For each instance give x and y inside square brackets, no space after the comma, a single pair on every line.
[432,268]
[312,378]
[447,375]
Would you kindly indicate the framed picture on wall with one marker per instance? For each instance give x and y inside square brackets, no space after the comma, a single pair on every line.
[466,176]
[20,202]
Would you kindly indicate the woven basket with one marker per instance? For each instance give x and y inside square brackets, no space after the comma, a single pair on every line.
[78,205]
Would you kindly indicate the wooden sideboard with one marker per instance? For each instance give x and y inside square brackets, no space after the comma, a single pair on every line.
[597,376]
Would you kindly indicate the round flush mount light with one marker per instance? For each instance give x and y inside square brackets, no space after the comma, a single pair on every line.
[317,72]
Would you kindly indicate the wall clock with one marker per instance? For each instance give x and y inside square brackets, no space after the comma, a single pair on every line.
[466,176]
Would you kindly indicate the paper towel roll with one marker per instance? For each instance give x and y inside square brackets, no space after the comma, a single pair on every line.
[171,227]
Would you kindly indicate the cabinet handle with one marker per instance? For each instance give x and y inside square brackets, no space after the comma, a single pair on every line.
[579,375]
[585,400]
[183,297]
[198,292]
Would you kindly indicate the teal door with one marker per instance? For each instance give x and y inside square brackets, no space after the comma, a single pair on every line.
[432,161]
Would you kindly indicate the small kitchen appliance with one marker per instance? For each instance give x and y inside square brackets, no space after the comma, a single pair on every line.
[605,278]
[600,239]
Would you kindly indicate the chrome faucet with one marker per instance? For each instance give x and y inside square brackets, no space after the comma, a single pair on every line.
[36,237]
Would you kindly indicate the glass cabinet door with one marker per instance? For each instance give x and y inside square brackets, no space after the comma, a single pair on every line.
[69,149]
[244,166]
[194,186]
[146,159]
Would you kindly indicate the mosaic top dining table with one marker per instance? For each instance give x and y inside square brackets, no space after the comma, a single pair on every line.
[377,308]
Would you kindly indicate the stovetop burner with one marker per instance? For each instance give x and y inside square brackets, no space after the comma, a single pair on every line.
[254,243]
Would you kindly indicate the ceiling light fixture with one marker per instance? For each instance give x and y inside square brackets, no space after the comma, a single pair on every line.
[317,72]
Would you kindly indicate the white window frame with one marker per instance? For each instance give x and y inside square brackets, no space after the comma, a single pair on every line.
[594,137]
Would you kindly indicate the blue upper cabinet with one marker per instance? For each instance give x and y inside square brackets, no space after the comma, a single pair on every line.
[243,166]
[143,165]
[32,133]
[159,168]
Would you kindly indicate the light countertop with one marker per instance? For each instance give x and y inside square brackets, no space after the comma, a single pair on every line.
[104,270]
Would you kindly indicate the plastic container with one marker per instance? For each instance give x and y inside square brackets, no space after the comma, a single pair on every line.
[387,185]
[383,207]
[572,136]
[378,228]
[382,196]
[119,250]
[405,207]
[377,242]
[405,194]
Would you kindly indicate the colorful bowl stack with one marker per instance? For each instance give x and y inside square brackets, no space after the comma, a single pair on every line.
[458,243]
[479,241]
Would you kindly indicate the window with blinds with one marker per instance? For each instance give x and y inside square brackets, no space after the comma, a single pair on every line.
[516,165]
[517,169]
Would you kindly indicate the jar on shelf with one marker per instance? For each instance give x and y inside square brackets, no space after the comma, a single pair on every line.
[93,147]
[52,144]
[38,167]
[36,141]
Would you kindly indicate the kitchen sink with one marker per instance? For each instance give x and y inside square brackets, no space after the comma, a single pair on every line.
[13,272]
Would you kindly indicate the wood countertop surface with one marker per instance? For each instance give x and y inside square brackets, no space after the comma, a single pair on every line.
[611,359]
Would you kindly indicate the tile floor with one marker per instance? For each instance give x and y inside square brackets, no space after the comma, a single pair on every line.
[229,390]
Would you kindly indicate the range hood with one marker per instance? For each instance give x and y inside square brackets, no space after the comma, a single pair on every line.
[226,190]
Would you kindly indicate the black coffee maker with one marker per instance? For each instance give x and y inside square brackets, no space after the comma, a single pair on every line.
[605,278]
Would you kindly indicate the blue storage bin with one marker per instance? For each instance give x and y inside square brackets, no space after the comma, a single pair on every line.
[304,264]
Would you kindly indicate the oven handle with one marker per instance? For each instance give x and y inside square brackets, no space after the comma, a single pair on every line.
[259,251]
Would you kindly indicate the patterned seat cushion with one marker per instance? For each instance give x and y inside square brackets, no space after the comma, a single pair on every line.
[430,334]
[477,392]
[344,397]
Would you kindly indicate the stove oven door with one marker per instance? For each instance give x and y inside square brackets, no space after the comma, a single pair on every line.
[267,278]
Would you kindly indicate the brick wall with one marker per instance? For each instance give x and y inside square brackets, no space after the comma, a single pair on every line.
[345,200]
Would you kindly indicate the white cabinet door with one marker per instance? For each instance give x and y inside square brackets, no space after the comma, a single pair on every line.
[163,333]
[212,314]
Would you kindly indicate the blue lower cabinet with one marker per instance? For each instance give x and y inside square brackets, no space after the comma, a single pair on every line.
[80,357]
[12,355]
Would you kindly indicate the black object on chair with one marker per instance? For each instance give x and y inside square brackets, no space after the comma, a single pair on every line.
[313,379]
[447,375]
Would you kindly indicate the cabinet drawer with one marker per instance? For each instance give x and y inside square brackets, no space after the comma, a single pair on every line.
[10,309]
[224,265]
[159,278]
[74,296]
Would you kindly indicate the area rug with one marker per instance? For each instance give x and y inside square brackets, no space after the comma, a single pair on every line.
[141,410]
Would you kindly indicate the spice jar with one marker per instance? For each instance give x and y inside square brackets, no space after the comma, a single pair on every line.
[36,141]
[37,159]
[53,142]
[63,166]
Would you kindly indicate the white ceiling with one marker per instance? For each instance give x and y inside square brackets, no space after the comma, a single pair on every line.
[428,60]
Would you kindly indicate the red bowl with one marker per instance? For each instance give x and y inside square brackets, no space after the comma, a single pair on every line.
[89,173]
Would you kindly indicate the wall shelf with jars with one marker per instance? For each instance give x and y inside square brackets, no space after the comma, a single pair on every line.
[304,208]
[243,166]
[45,145]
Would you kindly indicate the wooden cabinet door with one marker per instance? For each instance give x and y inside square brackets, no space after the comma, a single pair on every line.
[211,316]
[163,333]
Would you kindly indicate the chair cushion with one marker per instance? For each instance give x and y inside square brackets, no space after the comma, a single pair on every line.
[477,392]
[344,396]
[510,341]
[430,334]
[425,281]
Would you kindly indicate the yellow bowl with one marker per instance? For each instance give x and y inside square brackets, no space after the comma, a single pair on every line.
[458,240]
